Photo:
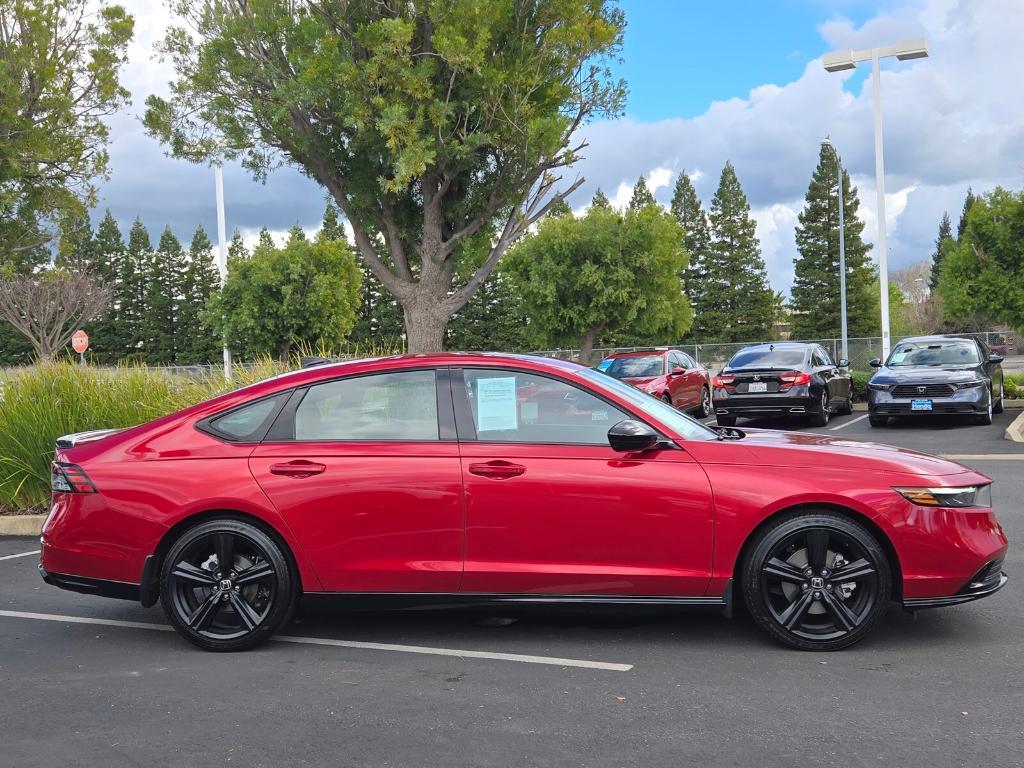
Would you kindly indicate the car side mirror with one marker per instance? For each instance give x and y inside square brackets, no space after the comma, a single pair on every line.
[875,362]
[678,370]
[629,436]
[994,358]
[844,363]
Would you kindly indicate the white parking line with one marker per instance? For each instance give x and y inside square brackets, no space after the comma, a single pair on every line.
[848,423]
[23,554]
[524,658]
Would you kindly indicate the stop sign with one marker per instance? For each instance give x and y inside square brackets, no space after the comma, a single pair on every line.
[80,341]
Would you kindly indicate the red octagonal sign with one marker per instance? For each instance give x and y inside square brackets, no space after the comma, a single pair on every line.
[80,341]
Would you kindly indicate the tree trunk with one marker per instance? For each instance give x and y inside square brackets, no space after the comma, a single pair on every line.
[587,343]
[424,328]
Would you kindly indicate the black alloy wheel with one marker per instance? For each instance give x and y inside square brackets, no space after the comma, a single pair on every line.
[226,586]
[705,403]
[817,582]
[819,418]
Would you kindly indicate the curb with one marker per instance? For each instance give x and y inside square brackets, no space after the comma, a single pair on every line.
[1015,431]
[21,525]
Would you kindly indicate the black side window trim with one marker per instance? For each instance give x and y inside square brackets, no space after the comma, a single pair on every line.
[208,427]
[283,428]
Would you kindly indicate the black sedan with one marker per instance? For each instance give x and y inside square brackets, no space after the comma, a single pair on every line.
[782,379]
[937,375]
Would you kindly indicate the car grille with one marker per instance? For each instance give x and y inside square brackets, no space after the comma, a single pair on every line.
[930,390]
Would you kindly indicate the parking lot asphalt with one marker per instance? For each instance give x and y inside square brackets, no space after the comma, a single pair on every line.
[944,688]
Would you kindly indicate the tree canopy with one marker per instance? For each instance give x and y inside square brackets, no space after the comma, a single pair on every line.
[815,296]
[427,121]
[604,273]
[693,219]
[60,62]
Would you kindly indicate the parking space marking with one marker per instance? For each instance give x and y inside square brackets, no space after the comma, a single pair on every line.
[429,651]
[23,554]
[983,456]
[848,423]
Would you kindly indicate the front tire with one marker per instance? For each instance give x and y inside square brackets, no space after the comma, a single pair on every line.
[986,418]
[817,581]
[878,421]
[226,608]
[998,405]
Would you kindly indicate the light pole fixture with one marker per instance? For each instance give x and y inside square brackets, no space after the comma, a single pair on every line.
[838,61]
[842,253]
[222,252]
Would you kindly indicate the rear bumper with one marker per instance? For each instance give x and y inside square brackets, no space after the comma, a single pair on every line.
[783,404]
[102,587]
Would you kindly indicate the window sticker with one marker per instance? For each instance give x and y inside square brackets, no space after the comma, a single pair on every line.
[496,404]
[599,415]
[899,355]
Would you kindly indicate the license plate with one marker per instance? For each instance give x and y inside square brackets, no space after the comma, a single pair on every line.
[920,405]
[757,386]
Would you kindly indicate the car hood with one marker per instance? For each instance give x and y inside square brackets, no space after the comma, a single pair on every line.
[806,449]
[640,382]
[926,374]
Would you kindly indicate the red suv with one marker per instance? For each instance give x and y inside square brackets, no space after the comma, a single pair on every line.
[670,374]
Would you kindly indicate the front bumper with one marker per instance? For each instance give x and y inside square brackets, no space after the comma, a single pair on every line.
[965,402]
[989,580]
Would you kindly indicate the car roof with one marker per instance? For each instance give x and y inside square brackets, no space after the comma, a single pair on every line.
[781,345]
[660,352]
[937,337]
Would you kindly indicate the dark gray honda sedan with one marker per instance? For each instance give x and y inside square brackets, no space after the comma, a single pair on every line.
[936,375]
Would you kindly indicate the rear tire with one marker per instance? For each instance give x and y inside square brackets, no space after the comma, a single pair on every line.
[816,581]
[997,407]
[820,418]
[705,409]
[226,608]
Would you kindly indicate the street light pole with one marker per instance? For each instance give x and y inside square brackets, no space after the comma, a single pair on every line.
[222,252]
[837,61]
[842,255]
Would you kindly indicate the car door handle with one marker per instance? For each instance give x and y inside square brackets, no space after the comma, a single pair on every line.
[497,470]
[298,468]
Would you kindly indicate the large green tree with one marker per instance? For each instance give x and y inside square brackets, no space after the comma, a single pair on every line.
[641,194]
[687,209]
[815,296]
[280,298]
[427,121]
[969,200]
[737,300]
[163,281]
[494,320]
[197,341]
[602,274]
[60,62]
[945,233]
[983,277]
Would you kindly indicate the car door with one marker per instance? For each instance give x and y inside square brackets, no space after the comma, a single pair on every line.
[551,508]
[676,382]
[838,384]
[693,380]
[366,471]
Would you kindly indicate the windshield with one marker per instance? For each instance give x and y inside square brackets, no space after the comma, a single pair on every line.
[766,357]
[636,367]
[680,423]
[961,352]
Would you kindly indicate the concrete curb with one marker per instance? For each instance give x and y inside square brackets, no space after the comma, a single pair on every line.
[1015,431]
[21,525]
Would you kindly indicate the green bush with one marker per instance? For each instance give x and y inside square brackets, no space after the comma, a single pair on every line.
[1013,385]
[859,382]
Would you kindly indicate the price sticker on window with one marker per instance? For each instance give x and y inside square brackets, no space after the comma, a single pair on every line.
[496,404]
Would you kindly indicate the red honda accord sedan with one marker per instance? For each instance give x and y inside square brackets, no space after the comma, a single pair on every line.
[482,479]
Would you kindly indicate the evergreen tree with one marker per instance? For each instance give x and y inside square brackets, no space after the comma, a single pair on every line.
[266,239]
[815,297]
[236,248]
[164,281]
[380,319]
[132,309]
[600,200]
[737,298]
[561,208]
[494,319]
[970,200]
[331,229]
[690,214]
[197,341]
[106,344]
[75,247]
[296,234]
[641,195]
[945,233]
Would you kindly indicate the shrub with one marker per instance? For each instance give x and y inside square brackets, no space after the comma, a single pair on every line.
[1013,385]
[859,382]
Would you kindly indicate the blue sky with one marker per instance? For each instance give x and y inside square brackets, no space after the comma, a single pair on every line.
[734,80]
[680,55]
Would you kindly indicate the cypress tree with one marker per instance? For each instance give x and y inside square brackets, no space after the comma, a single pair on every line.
[600,200]
[164,278]
[815,298]
[106,343]
[236,248]
[737,298]
[968,202]
[266,240]
[75,247]
[197,342]
[692,218]
[945,233]
[132,279]
[331,229]
[561,208]
[296,234]
[492,321]
[641,195]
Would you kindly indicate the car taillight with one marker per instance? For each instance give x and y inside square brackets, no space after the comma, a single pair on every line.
[69,478]
[795,378]
[724,381]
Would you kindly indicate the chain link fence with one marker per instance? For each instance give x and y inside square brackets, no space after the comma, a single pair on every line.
[861,350]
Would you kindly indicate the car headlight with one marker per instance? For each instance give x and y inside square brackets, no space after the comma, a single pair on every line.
[964,496]
[880,387]
[969,384]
